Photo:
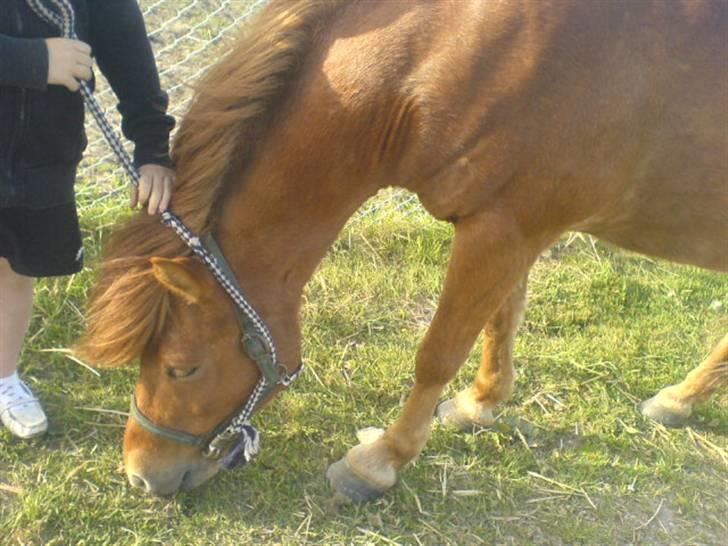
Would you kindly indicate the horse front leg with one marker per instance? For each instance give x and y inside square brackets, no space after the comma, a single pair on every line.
[473,407]
[490,256]
[674,404]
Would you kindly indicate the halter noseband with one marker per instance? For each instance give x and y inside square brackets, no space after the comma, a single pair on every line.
[235,432]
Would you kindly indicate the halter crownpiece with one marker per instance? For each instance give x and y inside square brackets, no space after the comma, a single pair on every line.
[235,436]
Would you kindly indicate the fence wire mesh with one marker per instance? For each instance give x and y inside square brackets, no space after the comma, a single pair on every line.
[187,36]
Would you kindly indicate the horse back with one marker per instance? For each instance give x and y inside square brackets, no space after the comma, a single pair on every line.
[605,117]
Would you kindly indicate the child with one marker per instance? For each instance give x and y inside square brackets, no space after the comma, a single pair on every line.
[41,142]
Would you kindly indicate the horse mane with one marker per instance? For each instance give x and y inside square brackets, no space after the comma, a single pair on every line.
[230,109]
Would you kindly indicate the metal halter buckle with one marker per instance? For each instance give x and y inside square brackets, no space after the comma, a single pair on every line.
[218,444]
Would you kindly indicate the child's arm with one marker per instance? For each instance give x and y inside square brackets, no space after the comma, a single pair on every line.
[34,63]
[23,62]
[124,55]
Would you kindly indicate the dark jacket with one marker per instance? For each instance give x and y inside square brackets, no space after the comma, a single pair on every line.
[41,126]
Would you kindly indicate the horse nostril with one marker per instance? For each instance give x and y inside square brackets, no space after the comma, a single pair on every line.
[138,481]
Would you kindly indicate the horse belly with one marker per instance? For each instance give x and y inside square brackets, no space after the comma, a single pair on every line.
[678,211]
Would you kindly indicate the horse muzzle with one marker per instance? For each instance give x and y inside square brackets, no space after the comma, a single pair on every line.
[162,478]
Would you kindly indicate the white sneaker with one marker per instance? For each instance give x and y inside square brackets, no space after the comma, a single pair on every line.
[20,411]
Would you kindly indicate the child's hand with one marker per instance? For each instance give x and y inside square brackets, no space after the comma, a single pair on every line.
[155,188]
[68,62]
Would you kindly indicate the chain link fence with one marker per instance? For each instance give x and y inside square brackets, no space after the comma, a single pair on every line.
[187,37]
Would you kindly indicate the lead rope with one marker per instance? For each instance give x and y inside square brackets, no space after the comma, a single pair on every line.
[59,13]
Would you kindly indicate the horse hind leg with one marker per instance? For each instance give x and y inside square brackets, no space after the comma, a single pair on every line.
[489,257]
[674,404]
[472,407]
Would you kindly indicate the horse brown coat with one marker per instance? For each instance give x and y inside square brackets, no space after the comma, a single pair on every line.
[516,121]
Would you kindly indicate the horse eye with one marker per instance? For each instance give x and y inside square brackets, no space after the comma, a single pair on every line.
[180,373]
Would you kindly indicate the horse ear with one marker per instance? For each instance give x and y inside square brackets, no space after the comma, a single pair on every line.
[178,276]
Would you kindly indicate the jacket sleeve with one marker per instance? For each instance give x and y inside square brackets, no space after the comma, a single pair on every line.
[124,55]
[23,62]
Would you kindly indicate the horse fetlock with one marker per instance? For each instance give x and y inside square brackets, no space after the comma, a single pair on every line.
[667,408]
[363,474]
[373,463]
[465,412]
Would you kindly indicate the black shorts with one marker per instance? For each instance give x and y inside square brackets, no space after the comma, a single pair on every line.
[42,242]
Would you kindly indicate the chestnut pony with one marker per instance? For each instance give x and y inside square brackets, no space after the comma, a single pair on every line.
[516,121]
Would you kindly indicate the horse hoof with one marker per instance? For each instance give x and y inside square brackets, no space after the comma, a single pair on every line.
[448,414]
[351,486]
[658,411]
[451,414]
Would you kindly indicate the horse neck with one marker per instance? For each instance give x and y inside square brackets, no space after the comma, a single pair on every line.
[277,224]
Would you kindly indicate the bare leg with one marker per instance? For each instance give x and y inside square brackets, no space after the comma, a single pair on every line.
[473,407]
[20,412]
[673,405]
[16,305]
[490,255]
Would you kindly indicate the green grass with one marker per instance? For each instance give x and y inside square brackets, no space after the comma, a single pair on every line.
[604,329]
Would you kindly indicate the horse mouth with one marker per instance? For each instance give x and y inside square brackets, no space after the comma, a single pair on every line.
[170,482]
[193,479]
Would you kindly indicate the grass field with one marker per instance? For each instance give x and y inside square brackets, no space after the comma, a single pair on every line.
[604,329]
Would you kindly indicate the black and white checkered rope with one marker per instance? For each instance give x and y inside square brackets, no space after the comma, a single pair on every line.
[195,244]
[256,395]
[62,17]
[63,20]
[247,410]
